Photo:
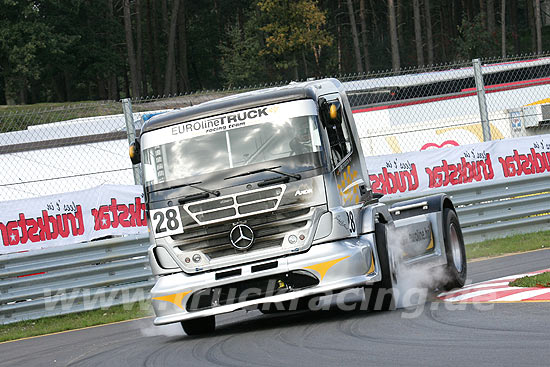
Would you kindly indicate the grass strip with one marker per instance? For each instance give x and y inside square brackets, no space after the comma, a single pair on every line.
[541,280]
[55,324]
[509,245]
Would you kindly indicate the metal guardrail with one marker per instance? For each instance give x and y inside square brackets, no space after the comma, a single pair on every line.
[497,210]
[74,278]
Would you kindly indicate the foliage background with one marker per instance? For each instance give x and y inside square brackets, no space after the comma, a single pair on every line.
[55,50]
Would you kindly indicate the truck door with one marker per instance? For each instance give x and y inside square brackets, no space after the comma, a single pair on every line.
[346,166]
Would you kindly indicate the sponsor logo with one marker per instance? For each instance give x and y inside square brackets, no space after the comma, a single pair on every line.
[47,227]
[305,191]
[460,173]
[390,183]
[114,215]
[525,164]
[420,235]
[220,123]
[241,237]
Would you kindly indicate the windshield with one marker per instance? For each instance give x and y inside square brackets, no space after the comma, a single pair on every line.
[263,134]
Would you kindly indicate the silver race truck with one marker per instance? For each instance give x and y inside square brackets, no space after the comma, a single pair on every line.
[263,200]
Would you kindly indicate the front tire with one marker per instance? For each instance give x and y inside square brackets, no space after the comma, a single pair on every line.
[456,267]
[200,326]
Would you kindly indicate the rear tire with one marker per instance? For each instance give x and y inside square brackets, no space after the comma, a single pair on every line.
[379,296]
[456,267]
[200,326]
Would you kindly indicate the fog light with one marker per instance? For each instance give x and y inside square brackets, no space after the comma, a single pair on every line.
[196,258]
[292,239]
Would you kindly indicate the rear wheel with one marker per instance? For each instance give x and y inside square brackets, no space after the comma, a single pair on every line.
[455,252]
[379,296]
[200,326]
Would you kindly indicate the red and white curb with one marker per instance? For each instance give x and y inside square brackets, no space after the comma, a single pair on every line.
[497,290]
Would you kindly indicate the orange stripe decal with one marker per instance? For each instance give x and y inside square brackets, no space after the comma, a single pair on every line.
[371,269]
[173,298]
[322,268]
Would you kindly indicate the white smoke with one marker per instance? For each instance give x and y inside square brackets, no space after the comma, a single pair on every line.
[414,283]
[162,330]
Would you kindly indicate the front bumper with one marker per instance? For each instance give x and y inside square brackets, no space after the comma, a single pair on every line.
[337,265]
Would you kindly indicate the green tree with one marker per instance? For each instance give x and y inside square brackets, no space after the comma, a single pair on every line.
[26,39]
[474,40]
[293,26]
[241,61]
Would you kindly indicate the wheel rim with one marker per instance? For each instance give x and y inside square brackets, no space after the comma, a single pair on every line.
[455,247]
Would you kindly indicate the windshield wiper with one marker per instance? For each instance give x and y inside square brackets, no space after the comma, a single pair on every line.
[193,185]
[269,169]
[205,194]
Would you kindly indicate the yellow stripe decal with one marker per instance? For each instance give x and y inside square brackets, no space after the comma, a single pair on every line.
[431,245]
[322,268]
[174,298]
[371,269]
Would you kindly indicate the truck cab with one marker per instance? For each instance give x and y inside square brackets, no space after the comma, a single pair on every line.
[264,197]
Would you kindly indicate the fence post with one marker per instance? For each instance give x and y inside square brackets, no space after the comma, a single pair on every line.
[131,133]
[480,87]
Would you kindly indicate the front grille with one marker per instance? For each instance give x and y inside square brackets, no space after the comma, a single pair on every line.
[269,230]
[216,215]
[210,205]
[258,207]
[236,205]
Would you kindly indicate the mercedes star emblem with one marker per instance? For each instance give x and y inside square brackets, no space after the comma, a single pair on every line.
[241,237]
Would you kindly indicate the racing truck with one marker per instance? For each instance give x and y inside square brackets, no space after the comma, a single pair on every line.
[263,198]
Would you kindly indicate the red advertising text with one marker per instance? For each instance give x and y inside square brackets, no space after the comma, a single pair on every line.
[44,228]
[460,173]
[525,164]
[389,183]
[114,215]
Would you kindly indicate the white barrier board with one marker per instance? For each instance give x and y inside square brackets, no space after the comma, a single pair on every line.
[73,217]
[489,162]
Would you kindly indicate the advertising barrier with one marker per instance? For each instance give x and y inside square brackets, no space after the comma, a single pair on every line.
[68,218]
[490,162]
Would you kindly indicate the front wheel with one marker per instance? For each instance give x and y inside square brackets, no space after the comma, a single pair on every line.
[455,270]
[200,326]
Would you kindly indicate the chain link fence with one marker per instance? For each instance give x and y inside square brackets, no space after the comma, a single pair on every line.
[71,147]
[446,106]
[59,149]
[77,146]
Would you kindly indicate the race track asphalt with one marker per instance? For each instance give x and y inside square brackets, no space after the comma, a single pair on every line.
[434,334]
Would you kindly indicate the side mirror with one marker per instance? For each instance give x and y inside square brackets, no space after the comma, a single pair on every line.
[331,112]
[135,153]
